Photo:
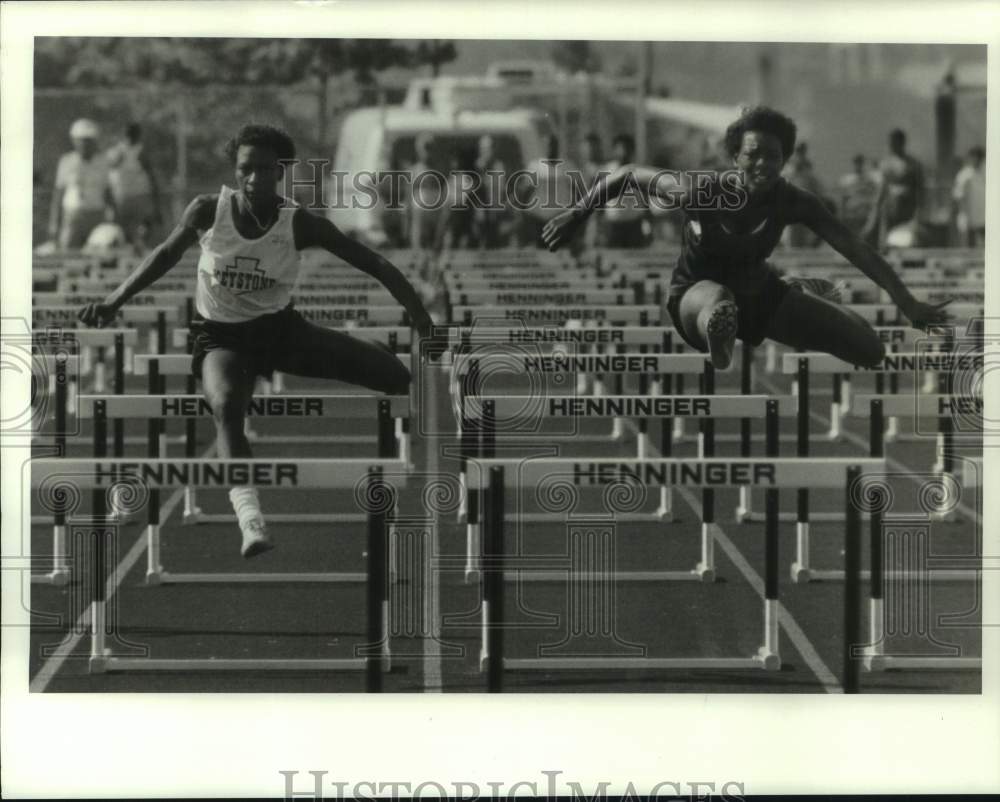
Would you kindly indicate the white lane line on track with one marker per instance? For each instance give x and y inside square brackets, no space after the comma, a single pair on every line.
[785,618]
[433,682]
[54,663]
[852,438]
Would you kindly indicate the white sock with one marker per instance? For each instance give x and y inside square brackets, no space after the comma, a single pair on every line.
[246,504]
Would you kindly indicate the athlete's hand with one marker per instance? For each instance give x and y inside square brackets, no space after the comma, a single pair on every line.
[922,315]
[563,227]
[98,315]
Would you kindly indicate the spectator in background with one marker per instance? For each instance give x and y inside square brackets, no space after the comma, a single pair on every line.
[969,199]
[800,172]
[545,197]
[626,223]
[135,190]
[858,190]
[492,218]
[591,164]
[455,221]
[896,213]
[424,197]
[82,193]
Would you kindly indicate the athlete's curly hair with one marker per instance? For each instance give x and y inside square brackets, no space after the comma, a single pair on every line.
[263,136]
[761,118]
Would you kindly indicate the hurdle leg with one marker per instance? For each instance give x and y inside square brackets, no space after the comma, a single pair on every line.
[800,569]
[836,407]
[278,385]
[769,654]
[100,369]
[678,434]
[770,358]
[706,448]
[60,574]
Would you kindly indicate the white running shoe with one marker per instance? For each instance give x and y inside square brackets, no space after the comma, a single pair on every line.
[721,331]
[255,538]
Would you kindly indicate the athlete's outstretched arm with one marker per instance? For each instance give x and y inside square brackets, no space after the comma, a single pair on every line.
[198,216]
[668,187]
[811,211]
[312,231]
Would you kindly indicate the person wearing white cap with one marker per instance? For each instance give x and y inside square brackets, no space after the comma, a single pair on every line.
[82,197]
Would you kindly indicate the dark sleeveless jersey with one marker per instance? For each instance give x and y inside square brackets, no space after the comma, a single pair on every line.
[713,249]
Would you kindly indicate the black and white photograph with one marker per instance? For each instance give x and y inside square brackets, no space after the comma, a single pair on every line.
[355,358]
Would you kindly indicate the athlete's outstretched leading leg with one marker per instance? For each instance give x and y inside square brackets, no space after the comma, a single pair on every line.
[319,353]
[806,321]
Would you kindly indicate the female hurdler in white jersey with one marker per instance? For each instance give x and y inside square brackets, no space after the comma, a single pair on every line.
[246,326]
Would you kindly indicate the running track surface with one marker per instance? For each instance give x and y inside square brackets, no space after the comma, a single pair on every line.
[667,619]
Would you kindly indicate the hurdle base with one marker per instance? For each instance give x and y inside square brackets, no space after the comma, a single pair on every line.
[532,575]
[768,660]
[618,663]
[109,664]
[59,579]
[234,577]
[802,573]
[472,576]
[887,662]
[931,575]
[706,573]
[155,577]
[278,518]
[192,516]
[792,517]
[743,515]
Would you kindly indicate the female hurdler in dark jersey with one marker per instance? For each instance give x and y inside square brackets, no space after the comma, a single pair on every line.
[246,325]
[722,287]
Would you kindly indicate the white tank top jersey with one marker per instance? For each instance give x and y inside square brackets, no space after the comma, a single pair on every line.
[240,279]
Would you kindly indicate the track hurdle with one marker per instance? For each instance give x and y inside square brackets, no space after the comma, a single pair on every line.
[373,480]
[876,408]
[637,315]
[495,477]
[498,413]
[384,410]
[802,365]
[59,574]
[158,366]
[470,369]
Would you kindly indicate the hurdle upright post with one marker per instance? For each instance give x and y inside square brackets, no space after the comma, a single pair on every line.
[60,574]
[800,568]
[98,550]
[876,629]
[666,381]
[769,652]
[376,613]
[153,567]
[706,567]
[191,512]
[494,579]
[852,585]
[745,508]
[119,389]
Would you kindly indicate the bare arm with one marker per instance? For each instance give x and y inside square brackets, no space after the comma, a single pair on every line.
[312,231]
[671,188]
[811,211]
[199,215]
